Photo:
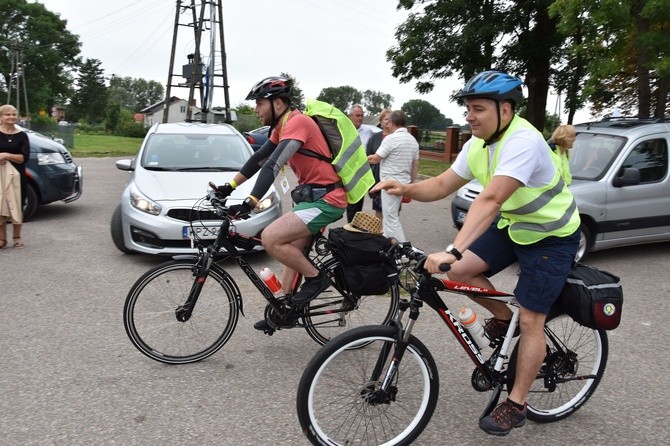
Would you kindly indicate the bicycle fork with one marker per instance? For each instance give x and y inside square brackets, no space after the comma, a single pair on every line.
[386,392]
[184,311]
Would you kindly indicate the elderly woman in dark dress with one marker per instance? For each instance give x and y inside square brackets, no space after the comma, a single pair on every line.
[14,153]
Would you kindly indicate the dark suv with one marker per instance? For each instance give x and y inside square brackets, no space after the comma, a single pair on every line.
[51,174]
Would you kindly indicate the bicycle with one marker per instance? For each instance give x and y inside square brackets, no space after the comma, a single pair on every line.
[186,309]
[386,392]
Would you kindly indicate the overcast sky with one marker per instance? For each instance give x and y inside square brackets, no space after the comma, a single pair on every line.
[320,43]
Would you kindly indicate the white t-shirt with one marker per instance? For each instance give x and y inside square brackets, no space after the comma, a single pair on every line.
[398,151]
[524,156]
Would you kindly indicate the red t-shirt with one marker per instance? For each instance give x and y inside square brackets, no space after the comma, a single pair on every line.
[310,170]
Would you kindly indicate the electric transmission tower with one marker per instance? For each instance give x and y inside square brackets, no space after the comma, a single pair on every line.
[17,78]
[204,71]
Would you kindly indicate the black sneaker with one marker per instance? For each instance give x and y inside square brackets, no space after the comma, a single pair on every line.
[496,329]
[311,288]
[503,419]
[263,325]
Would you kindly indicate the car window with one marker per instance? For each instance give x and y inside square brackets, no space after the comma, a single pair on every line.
[195,151]
[592,154]
[650,158]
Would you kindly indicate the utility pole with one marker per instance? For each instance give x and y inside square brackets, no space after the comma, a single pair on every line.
[17,78]
[206,70]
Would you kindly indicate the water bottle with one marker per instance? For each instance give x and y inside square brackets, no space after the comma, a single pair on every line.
[470,321]
[271,281]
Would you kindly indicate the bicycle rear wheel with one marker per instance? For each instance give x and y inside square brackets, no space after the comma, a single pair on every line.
[339,402]
[331,313]
[150,313]
[574,365]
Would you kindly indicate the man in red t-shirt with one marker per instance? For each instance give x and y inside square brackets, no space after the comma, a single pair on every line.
[286,238]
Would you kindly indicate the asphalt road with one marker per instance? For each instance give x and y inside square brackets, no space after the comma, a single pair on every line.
[70,376]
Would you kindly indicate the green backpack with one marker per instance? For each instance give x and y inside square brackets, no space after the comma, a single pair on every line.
[349,158]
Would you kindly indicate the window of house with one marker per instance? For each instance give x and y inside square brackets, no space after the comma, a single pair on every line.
[182,109]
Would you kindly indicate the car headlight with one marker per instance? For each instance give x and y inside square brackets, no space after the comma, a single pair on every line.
[50,158]
[266,203]
[142,203]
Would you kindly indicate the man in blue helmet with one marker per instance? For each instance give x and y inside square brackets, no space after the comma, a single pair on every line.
[286,238]
[525,214]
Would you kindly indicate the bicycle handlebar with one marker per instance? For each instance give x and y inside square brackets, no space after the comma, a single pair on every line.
[406,249]
[223,211]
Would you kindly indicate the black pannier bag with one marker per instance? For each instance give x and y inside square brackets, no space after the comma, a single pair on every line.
[593,298]
[365,270]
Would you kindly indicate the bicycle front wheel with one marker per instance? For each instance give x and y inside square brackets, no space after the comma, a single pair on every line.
[150,314]
[572,369]
[339,399]
[332,313]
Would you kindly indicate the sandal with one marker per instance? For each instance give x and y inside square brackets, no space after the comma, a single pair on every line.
[17,242]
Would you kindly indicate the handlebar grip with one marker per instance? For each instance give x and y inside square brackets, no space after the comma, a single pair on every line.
[444,267]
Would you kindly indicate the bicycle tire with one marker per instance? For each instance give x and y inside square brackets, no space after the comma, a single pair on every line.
[366,310]
[572,390]
[151,323]
[331,399]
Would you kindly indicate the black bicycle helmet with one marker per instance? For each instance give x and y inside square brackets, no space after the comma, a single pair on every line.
[271,87]
[494,85]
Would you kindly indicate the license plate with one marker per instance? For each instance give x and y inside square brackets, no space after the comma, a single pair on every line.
[202,232]
[460,216]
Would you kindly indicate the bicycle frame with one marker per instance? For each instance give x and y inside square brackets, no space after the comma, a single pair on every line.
[226,239]
[426,291]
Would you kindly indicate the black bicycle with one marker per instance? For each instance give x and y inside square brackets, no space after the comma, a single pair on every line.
[379,385]
[186,309]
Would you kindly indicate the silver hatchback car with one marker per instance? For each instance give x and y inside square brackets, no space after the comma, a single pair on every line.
[620,182]
[162,209]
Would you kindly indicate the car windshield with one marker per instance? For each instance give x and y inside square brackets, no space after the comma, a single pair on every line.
[195,152]
[592,154]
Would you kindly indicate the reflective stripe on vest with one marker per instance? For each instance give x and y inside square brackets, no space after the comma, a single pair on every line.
[532,214]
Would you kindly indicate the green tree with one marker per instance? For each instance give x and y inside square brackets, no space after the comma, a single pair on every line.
[626,45]
[375,101]
[440,38]
[90,99]
[341,97]
[135,93]
[424,115]
[48,51]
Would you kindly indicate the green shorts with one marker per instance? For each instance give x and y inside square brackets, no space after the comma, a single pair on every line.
[317,214]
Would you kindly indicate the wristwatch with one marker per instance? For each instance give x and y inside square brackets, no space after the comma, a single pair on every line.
[451,249]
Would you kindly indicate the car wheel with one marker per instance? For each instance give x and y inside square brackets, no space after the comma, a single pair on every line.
[585,242]
[116,228]
[31,202]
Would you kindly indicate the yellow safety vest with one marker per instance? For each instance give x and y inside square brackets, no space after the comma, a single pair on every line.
[531,214]
[349,158]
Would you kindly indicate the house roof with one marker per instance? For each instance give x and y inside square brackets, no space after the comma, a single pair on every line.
[159,105]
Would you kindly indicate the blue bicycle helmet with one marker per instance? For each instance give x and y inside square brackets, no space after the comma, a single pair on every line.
[271,87]
[494,85]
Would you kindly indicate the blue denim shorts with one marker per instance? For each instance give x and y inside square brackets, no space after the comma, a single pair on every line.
[543,266]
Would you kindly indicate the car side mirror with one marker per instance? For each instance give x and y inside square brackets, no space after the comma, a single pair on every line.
[126,164]
[629,177]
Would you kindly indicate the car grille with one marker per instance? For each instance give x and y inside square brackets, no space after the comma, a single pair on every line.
[471,194]
[192,214]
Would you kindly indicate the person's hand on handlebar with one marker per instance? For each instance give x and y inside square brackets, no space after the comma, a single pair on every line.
[242,210]
[222,191]
[433,262]
[393,187]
